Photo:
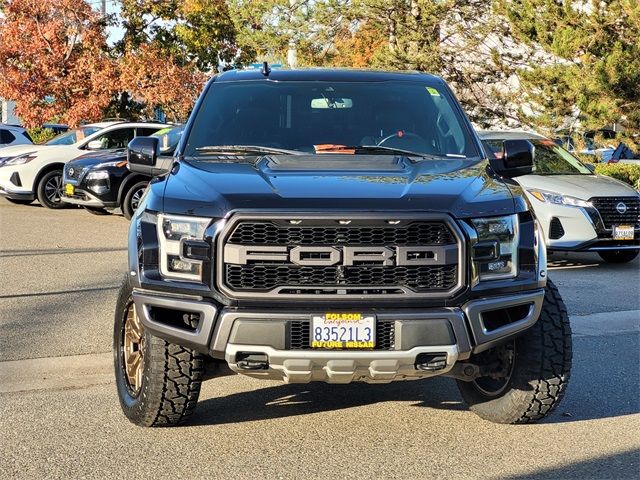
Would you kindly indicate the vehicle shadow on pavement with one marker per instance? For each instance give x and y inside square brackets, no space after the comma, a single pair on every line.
[290,400]
[596,390]
[561,260]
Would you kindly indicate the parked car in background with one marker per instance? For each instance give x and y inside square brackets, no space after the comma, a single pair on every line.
[13,135]
[101,181]
[57,128]
[28,172]
[578,210]
[601,153]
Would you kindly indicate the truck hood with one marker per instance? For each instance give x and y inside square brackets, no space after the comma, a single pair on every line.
[579,186]
[212,188]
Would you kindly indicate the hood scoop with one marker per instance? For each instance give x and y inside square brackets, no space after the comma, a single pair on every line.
[335,163]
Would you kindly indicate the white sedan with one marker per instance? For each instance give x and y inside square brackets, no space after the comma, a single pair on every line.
[28,172]
[577,209]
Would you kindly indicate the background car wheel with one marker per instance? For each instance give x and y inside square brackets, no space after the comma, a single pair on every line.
[50,190]
[132,199]
[19,202]
[158,382]
[97,210]
[529,375]
[618,256]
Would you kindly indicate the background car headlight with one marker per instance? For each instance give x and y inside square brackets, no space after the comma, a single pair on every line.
[98,175]
[98,181]
[495,254]
[173,231]
[20,159]
[558,199]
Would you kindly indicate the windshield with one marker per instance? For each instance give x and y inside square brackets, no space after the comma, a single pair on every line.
[550,158]
[318,116]
[169,138]
[73,136]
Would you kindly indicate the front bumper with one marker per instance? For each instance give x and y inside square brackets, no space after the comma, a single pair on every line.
[87,199]
[233,333]
[11,185]
[15,194]
[582,231]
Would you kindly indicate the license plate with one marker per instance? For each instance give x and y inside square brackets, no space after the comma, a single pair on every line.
[623,232]
[69,189]
[343,331]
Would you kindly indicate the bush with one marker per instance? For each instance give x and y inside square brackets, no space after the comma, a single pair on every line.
[41,135]
[625,172]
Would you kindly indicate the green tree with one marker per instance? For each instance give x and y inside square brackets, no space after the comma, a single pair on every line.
[460,40]
[593,75]
[199,32]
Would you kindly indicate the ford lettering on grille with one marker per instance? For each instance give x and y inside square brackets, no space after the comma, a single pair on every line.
[314,256]
[324,256]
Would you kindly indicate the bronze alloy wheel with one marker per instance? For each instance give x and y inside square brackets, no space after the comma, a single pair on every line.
[133,349]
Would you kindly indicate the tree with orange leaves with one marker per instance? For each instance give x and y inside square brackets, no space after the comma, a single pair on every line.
[54,61]
[155,78]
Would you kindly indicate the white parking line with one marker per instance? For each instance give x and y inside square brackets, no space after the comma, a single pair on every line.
[56,373]
[607,323]
[571,267]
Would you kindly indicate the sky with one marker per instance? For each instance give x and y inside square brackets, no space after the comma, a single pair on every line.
[113,8]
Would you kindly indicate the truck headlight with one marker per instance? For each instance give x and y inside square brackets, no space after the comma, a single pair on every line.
[182,246]
[495,254]
[558,199]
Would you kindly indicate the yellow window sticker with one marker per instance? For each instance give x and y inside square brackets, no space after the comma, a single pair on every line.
[433,91]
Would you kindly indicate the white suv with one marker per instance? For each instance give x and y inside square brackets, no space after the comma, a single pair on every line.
[28,172]
[13,135]
[577,210]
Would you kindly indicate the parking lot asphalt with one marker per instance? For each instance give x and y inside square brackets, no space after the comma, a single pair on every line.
[59,414]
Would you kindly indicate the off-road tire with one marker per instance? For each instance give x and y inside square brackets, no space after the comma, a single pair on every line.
[97,210]
[42,194]
[618,256]
[127,208]
[541,370]
[19,201]
[171,376]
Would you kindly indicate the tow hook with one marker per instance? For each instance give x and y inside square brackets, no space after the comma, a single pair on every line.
[467,372]
[252,361]
[431,362]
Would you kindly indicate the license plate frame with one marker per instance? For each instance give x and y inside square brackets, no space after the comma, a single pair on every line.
[343,331]
[623,232]
[69,189]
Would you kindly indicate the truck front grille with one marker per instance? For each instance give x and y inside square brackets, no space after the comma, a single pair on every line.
[618,210]
[267,277]
[295,256]
[254,233]
[299,335]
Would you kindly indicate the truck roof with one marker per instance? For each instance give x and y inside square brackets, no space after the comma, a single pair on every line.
[327,74]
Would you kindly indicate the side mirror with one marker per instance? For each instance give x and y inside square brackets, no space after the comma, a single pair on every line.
[95,145]
[142,156]
[517,159]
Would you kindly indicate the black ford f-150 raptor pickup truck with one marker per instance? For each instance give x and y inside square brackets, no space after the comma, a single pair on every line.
[336,226]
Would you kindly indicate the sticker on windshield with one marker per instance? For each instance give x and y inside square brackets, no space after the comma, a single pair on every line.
[433,91]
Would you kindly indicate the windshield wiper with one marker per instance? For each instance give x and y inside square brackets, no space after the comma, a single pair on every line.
[247,150]
[377,149]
